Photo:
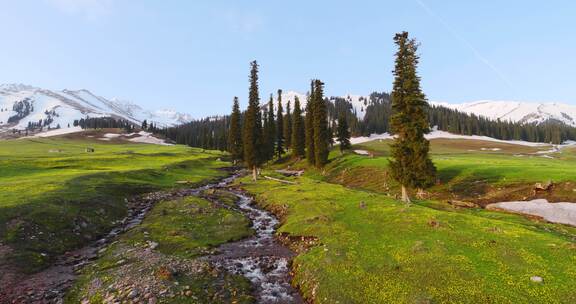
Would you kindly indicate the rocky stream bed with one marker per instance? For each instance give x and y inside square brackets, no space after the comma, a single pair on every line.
[260,258]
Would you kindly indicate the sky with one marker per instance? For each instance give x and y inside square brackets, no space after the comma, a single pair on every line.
[193,56]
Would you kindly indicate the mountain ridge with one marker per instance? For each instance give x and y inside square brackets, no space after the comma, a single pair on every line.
[517,111]
[22,105]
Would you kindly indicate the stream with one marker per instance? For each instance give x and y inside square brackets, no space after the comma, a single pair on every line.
[260,258]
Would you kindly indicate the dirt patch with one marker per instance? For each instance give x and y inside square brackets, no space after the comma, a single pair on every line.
[298,244]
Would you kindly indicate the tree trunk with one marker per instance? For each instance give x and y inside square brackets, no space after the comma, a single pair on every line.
[405,197]
[254,173]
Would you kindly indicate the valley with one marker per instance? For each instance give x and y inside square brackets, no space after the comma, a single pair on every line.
[343,224]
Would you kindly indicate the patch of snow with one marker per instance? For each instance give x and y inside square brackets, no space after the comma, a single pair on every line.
[490,149]
[111,135]
[372,137]
[56,132]
[562,213]
[435,134]
[362,152]
[148,138]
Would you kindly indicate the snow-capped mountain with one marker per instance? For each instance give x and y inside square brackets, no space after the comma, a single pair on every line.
[524,112]
[21,105]
[359,102]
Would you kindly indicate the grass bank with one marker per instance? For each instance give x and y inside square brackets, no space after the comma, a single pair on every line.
[57,197]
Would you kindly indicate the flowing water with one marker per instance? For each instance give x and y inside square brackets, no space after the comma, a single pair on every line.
[260,258]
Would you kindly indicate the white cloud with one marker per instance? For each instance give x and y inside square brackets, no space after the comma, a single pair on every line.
[90,9]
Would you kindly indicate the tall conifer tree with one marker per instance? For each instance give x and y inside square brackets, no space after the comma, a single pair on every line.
[280,139]
[410,165]
[235,133]
[343,134]
[309,127]
[298,145]
[320,123]
[270,145]
[252,129]
[288,126]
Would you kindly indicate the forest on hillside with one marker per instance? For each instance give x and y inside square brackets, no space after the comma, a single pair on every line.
[211,132]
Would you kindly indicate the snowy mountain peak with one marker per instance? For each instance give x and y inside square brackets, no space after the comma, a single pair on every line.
[359,103]
[16,87]
[22,105]
[523,112]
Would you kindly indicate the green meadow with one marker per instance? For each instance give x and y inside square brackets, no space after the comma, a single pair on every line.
[370,248]
[57,197]
[362,245]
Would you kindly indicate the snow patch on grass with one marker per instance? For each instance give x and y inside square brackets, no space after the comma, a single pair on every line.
[56,132]
[562,213]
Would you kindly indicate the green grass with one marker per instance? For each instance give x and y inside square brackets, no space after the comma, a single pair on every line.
[429,252]
[388,253]
[56,197]
[464,171]
[188,227]
[184,229]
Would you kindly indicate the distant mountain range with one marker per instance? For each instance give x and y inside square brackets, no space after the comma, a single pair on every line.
[516,111]
[21,105]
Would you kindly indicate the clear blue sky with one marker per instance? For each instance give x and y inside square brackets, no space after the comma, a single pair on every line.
[193,56]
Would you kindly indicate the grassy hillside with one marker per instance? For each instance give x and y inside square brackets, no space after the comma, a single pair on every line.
[385,252]
[56,196]
[477,171]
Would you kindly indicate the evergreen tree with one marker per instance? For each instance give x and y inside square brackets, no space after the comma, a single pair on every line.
[410,164]
[309,127]
[235,133]
[343,134]
[280,127]
[298,145]
[144,124]
[320,123]
[266,134]
[288,126]
[271,126]
[252,130]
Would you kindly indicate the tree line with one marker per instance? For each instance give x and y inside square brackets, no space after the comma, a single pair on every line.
[261,134]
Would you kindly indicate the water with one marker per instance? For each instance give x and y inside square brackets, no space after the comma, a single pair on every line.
[260,258]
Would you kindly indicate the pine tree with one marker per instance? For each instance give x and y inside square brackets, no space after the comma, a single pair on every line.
[410,165]
[266,134]
[309,127]
[270,144]
[252,130]
[280,127]
[298,145]
[235,133]
[343,134]
[288,127]
[320,123]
